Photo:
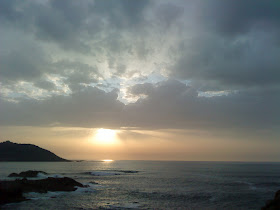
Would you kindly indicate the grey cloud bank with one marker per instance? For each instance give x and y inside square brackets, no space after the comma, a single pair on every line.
[167,105]
[65,52]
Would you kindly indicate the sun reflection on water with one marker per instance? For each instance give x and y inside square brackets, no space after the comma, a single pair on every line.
[107,160]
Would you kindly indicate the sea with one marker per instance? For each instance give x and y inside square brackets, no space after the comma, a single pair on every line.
[153,184]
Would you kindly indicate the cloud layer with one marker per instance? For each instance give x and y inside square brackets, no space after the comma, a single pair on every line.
[146,64]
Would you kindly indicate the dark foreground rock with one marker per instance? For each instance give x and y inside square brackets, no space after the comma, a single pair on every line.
[273,204]
[27,174]
[12,191]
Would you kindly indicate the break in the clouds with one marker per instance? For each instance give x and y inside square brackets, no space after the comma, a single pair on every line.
[145,64]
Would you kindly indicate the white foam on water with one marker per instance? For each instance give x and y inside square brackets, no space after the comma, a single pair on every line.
[83,190]
[56,176]
[251,185]
[41,176]
[50,194]
[94,186]
[45,176]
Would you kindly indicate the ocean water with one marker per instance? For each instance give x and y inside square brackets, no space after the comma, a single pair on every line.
[153,185]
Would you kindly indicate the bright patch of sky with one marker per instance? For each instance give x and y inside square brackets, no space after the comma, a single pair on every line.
[214,93]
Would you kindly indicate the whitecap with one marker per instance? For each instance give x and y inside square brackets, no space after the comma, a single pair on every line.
[56,176]
[251,185]
[48,195]
[51,194]
[83,190]
[45,176]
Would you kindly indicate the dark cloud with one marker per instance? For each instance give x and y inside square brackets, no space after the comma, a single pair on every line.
[21,65]
[168,13]
[9,12]
[235,63]
[90,107]
[71,24]
[142,89]
[76,72]
[122,13]
[230,46]
[44,84]
[30,64]
[168,105]
[172,104]
[233,18]
[50,21]
[233,45]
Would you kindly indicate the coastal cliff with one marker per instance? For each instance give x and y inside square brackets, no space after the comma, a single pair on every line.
[10,151]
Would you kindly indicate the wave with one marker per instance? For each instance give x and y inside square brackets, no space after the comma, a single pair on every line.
[48,195]
[38,177]
[252,186]
[268,184]
[90,188]
[202,196]
[44,176]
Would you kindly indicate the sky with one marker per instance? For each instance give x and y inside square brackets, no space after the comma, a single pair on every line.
[142,80]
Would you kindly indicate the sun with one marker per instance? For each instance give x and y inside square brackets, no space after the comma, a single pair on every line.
[105,136]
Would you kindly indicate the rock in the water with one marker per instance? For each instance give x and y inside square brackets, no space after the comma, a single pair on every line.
[25,174]
[10,194]
[93,182]
[273,204]
[12,191]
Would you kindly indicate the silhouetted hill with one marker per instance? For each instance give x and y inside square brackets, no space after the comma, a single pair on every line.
[10,151]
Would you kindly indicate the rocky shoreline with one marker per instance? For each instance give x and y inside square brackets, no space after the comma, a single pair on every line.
[273,204]
[11,191]
[29,174]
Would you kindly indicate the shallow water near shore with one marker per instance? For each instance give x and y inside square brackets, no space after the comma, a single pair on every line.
[153,184]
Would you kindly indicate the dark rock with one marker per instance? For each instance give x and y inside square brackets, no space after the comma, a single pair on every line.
[273,204]
[10,151]
[27,174]
[10,194]
[93,182]
[277,195]
[13,175]
[127,171]
[12,191]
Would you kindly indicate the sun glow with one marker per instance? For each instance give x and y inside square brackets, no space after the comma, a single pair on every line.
[105,136]
[107,160]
